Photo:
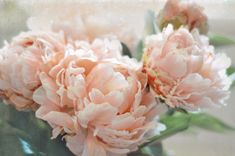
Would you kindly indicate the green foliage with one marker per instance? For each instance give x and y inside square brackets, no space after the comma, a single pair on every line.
[24,135]
[126,50]
[140,50]
[150,23]
[138,153]
[231,74]
[219,40]
[209,122]
[230,71]
[174,123]
[155,149]
[178,120]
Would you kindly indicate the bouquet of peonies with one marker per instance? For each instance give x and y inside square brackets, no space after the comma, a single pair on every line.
[75,75]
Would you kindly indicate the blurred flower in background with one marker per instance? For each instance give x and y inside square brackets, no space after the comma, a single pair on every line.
[184,13]
[13,18]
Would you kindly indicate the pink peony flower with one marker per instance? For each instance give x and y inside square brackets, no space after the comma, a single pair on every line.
[101,107]
[184,71]
[99,48]
[19,64]
[80,22]
[183,13]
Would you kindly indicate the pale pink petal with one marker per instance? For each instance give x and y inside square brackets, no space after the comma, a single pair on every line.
[45,109]
[76,143]
[59,119]
[96,114]
[174,60]
[92,147]
[20,101]
[39,96]
[50,88]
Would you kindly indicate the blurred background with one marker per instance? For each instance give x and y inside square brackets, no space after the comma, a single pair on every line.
[13,16]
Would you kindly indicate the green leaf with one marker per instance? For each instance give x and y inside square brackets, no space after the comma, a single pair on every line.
[126,50]
[150,23]
[219,40]
[155,149]
[28,149]
[10,146]
[174,123]
[171,111]
[140,50]
[139,153]
[7,129]
[209,122]
[178,120]
[231,73]
[230,70]
[22,134]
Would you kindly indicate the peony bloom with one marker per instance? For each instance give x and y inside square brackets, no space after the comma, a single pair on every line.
[88,22]
[183,13]
[19,65]
[101,107]
[99,48]
[184,71]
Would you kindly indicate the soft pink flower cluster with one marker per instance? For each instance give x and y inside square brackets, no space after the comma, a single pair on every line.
[88,22]
[184,70]
[184,13]
[104,108]
[103,103]
[20,62]
[87,91]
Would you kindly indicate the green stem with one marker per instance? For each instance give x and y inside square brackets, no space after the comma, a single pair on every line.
[220,40]
[165,135]
[180,124]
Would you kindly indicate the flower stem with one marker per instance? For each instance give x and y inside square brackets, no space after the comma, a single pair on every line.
[175,123]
